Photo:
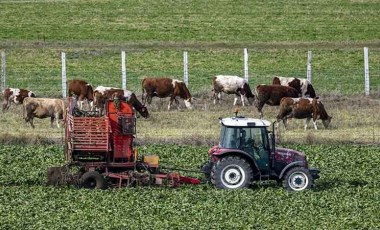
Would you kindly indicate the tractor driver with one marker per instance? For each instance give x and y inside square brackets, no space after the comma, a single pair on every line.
[247,143]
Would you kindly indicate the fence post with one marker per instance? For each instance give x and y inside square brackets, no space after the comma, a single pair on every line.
[366,71]
[63,58]
[185,70]
[123,70]
[308,71]
[3,71]
[246,64]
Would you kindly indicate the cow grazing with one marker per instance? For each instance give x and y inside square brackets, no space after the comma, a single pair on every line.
[232,85]
[102,94]
[303,108]
[272,95]
[82,91]
[15,95]
[166,87]
[303,86]
[43,108]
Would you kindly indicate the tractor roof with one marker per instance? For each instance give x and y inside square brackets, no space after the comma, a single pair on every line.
[244,122]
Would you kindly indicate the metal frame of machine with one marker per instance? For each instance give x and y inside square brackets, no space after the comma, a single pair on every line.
[101,148]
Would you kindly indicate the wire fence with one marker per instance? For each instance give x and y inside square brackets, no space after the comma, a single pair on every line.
[334,72]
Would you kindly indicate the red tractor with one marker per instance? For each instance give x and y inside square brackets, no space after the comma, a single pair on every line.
[247,153]
[99,151]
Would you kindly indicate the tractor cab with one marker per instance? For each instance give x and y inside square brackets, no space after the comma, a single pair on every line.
[248,135]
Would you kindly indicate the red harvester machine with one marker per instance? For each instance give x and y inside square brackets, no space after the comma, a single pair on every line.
[99,152]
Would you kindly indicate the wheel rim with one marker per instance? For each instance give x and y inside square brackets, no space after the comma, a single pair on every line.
[233,176]
[298,181]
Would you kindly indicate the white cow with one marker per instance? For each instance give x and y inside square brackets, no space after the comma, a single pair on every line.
[232,85]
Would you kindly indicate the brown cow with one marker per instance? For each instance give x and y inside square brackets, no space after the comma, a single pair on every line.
[272,95]
[166,87]
[102,94]
[82,91]
[232,85]
[15,95]
[43,108]
[301,108]
[303,86]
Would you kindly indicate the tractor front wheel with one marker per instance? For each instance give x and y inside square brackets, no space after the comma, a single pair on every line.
[297,179]
[93,180]
[231,173]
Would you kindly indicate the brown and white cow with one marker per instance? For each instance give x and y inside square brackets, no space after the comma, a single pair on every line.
[232,85]
[43,108]
[272,95]
[15,95]
[303,86]
[303,108]
[102,94]
[82,91]
[166,87]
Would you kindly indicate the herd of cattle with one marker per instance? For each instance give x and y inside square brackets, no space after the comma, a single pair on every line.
[296,98]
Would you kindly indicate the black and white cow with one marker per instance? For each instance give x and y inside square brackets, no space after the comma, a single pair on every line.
[303,86]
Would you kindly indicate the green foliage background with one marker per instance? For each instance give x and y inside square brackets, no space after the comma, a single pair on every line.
[154,34]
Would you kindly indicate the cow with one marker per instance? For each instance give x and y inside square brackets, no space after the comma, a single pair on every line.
[82,91]
[301,108]
[303,86]
[232,85]
[166,87]
[43,108]
[102,94]
[15,95]
[272,95]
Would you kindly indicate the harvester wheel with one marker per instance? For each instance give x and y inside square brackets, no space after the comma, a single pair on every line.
[297,179]
[93,180]
[231,173]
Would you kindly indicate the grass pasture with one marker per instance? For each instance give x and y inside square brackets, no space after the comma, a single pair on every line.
[355,120]
[149,22]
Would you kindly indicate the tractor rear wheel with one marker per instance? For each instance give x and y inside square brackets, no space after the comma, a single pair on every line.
[297,179]
[93,180]
[231,173]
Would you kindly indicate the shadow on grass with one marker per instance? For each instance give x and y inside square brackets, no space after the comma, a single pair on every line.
[319,185]
[324,185]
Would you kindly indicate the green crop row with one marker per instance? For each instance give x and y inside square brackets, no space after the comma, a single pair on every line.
[347,196]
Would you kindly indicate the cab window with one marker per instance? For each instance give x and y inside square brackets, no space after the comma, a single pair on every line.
[229,137]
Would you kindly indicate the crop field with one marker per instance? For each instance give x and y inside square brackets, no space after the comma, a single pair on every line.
[154,34]
[346,197]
